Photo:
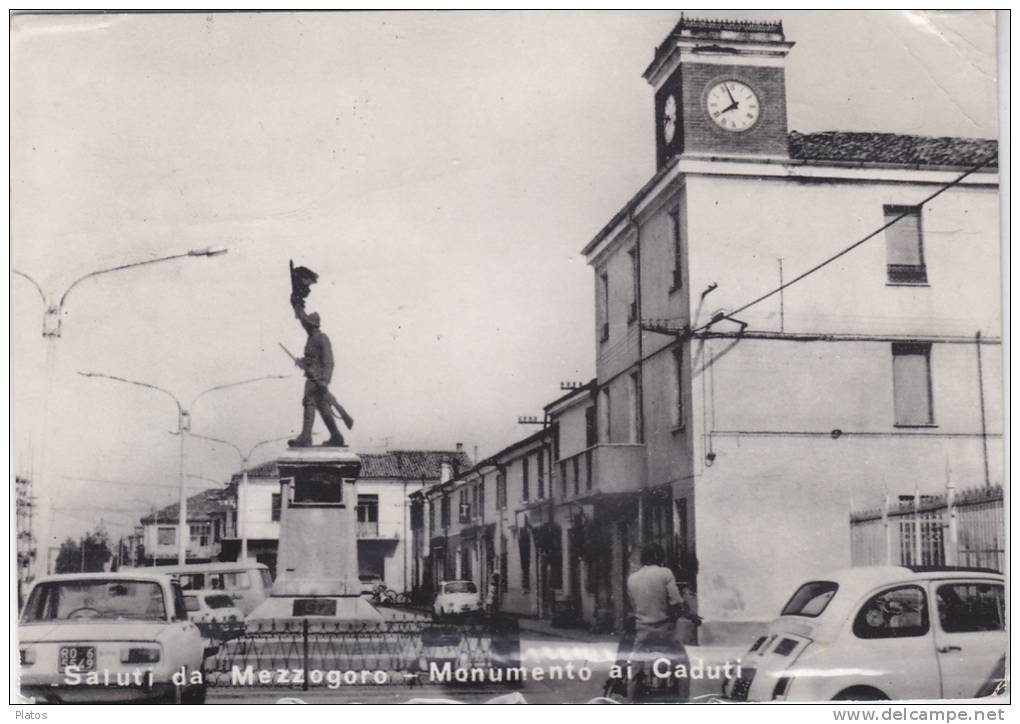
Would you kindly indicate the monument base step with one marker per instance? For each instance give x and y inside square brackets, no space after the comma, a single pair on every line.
[341,609]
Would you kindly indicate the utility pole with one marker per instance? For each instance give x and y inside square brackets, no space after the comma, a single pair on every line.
[242,493]
[183,426]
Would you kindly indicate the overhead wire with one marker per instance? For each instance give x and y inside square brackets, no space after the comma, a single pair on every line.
[729,315]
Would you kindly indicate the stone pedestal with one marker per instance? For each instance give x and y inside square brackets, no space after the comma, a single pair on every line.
[317,559]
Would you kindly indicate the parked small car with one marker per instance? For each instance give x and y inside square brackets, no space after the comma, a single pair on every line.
[881,632]
[108,637]
[457,597]
[211,607]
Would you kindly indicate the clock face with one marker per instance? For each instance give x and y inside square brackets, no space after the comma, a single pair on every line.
[669,112]
[732,105]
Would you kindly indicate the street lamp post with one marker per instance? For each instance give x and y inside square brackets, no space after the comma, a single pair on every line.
[183,426]
[242,493]
[53,312]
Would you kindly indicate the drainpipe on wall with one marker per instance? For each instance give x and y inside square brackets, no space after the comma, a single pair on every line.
[981,397]
[640,365]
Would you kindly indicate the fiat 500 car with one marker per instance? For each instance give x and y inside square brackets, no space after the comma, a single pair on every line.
[883,632]
[457,597]
[109,637]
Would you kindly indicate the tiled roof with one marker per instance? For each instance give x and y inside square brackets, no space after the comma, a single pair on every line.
[401,464]
[892,148]
[202,505]
[411,464]
[848,147]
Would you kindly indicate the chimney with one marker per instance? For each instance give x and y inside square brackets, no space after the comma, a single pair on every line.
[445,471]
[460,447]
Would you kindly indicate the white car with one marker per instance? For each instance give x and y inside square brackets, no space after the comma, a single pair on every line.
[881,632]
[109,637]
[211,606]
[457,597]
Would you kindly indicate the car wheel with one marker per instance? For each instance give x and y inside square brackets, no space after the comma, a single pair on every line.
[860,693]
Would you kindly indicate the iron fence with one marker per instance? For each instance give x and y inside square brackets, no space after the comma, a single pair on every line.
[304,653]
[959,529]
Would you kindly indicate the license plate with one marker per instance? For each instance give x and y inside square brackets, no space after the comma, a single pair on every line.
[82,657]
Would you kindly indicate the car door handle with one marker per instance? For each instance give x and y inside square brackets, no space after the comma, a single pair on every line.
[948,649]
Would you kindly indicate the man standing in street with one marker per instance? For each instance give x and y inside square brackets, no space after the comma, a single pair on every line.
[657,605]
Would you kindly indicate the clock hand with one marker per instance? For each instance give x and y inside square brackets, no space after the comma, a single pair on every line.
[730,107]
[733,101]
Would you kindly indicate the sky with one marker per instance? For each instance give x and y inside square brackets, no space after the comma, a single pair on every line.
[440,171]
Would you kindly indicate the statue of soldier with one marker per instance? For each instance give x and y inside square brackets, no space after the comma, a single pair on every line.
[317,364]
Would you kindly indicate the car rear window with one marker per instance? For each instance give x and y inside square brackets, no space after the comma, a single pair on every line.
[461,587]
[109,600]
[219,601]
[191,603]
[811,599]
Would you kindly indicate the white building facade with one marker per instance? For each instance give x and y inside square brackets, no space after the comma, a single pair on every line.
[754,428]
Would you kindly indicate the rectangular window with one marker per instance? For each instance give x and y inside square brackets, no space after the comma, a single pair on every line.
[678,275]
[432,517]
[444,512]
[504,563]
[577,474]
[367,514]
[912,384]
[500,490]
[524,546]
[632,313]
[275,509]
[540,474]
[588,463]
[555,560]
[367,509]
[590,426]
[525,478]
[480,507]
[904,246]
[199,535]
[605,417]
[465,507]
[634,407]
[604,306]
[563,478]
[166,536]
[677,407]
[683,553]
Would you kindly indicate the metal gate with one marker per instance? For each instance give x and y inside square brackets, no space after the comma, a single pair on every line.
[957,529]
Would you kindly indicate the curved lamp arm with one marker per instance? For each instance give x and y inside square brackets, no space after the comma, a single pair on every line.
[257,445]
[193,252]
[34,283]
[233,384]
[180,410]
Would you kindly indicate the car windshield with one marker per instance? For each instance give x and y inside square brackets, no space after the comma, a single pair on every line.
[811,599]
[461,587]
[219,601]
[94,599]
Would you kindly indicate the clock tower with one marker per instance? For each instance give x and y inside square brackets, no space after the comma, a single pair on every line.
[720,90]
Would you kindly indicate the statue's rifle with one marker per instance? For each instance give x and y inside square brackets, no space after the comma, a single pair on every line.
[331,400]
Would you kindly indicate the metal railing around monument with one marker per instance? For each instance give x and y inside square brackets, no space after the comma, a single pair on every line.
[309,653]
